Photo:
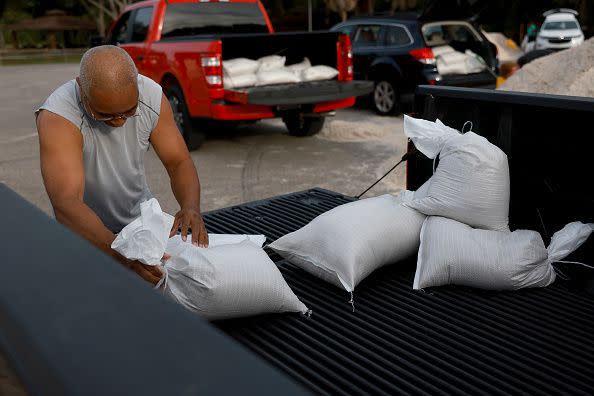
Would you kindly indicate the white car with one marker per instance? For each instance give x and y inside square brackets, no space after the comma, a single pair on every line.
[559,30]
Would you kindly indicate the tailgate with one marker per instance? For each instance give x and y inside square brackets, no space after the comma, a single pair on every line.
[300,93]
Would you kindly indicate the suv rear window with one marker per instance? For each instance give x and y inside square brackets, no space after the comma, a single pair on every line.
[189,19]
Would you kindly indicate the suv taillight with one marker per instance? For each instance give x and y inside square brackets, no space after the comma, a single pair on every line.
[213,70]
[344,59]
[423,55]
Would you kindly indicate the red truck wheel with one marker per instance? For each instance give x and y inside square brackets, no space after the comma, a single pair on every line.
[300,125]
[193,138]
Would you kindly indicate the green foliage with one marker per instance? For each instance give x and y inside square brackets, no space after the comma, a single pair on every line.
[16,11]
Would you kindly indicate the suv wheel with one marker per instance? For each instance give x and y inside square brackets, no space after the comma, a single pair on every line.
[385,98]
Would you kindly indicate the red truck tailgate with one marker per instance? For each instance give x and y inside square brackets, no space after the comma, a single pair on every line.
[299,94]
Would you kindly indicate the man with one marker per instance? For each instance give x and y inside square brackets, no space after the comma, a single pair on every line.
[93,134]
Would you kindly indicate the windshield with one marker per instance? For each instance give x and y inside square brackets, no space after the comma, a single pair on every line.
[561,25]
[189,19]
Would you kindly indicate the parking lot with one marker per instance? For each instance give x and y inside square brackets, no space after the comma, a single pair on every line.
[251,162]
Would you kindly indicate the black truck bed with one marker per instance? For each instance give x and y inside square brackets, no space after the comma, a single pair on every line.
[94,329]
[447,341]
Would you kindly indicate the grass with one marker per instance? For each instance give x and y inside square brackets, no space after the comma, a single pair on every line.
[39,57]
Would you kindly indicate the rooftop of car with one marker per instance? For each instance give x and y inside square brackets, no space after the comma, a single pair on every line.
[396,17]
[562,16]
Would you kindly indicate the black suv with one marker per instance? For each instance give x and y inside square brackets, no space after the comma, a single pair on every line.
[396,53]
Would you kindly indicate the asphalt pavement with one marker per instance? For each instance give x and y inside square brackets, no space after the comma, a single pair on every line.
[247,163]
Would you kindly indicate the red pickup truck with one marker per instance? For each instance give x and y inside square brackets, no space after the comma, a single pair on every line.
[183,45]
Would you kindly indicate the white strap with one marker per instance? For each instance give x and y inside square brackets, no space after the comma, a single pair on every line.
[466,123]
[576,262]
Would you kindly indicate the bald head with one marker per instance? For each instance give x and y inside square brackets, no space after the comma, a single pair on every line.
[107,68]
[109,83]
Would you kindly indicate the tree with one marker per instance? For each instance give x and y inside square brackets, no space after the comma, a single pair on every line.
[2,7]
[101,9]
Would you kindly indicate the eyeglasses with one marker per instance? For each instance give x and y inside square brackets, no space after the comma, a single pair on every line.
[124,116]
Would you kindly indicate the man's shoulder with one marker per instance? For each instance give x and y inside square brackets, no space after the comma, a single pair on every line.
[148,86]
[64,102]
[150,93]
[66,92]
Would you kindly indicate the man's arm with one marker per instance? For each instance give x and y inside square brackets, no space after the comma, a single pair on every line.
[61,148]
[171,149]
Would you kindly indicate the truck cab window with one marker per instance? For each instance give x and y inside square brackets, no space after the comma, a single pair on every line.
[120,33]
[140,26]
[189,19]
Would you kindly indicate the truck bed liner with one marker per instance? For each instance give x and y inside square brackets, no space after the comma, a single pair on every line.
[446,341]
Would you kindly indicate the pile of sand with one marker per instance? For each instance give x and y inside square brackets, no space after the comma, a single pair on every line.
[568,72]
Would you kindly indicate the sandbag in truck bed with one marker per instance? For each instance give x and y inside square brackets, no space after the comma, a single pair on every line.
[452,253]
[470,184]
[231,278]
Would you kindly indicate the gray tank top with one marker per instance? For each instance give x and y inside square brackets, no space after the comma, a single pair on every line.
[115,183]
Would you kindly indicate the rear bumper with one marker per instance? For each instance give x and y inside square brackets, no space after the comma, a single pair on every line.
[226,111]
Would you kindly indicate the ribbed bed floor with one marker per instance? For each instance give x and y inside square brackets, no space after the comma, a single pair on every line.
[447,341]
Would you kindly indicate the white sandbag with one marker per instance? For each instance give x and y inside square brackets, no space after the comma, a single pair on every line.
[450,61]
[422,191]
[299,67]
[442,49]
[240,81]
[278,76]
[471,183]
[319,73]
[239,66]
[474,62]
[233,239]
[346,244]
[271,62]
[145,238]
[445,69]
[226,281]
[452,57]
[457,254]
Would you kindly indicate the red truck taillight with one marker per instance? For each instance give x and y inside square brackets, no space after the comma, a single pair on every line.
[213,70]
[345,58]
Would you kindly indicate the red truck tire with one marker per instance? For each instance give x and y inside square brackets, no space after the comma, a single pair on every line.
[185,124]
[301,125]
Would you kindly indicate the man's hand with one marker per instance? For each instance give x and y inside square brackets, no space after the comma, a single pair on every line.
[190,218]
[149,273]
